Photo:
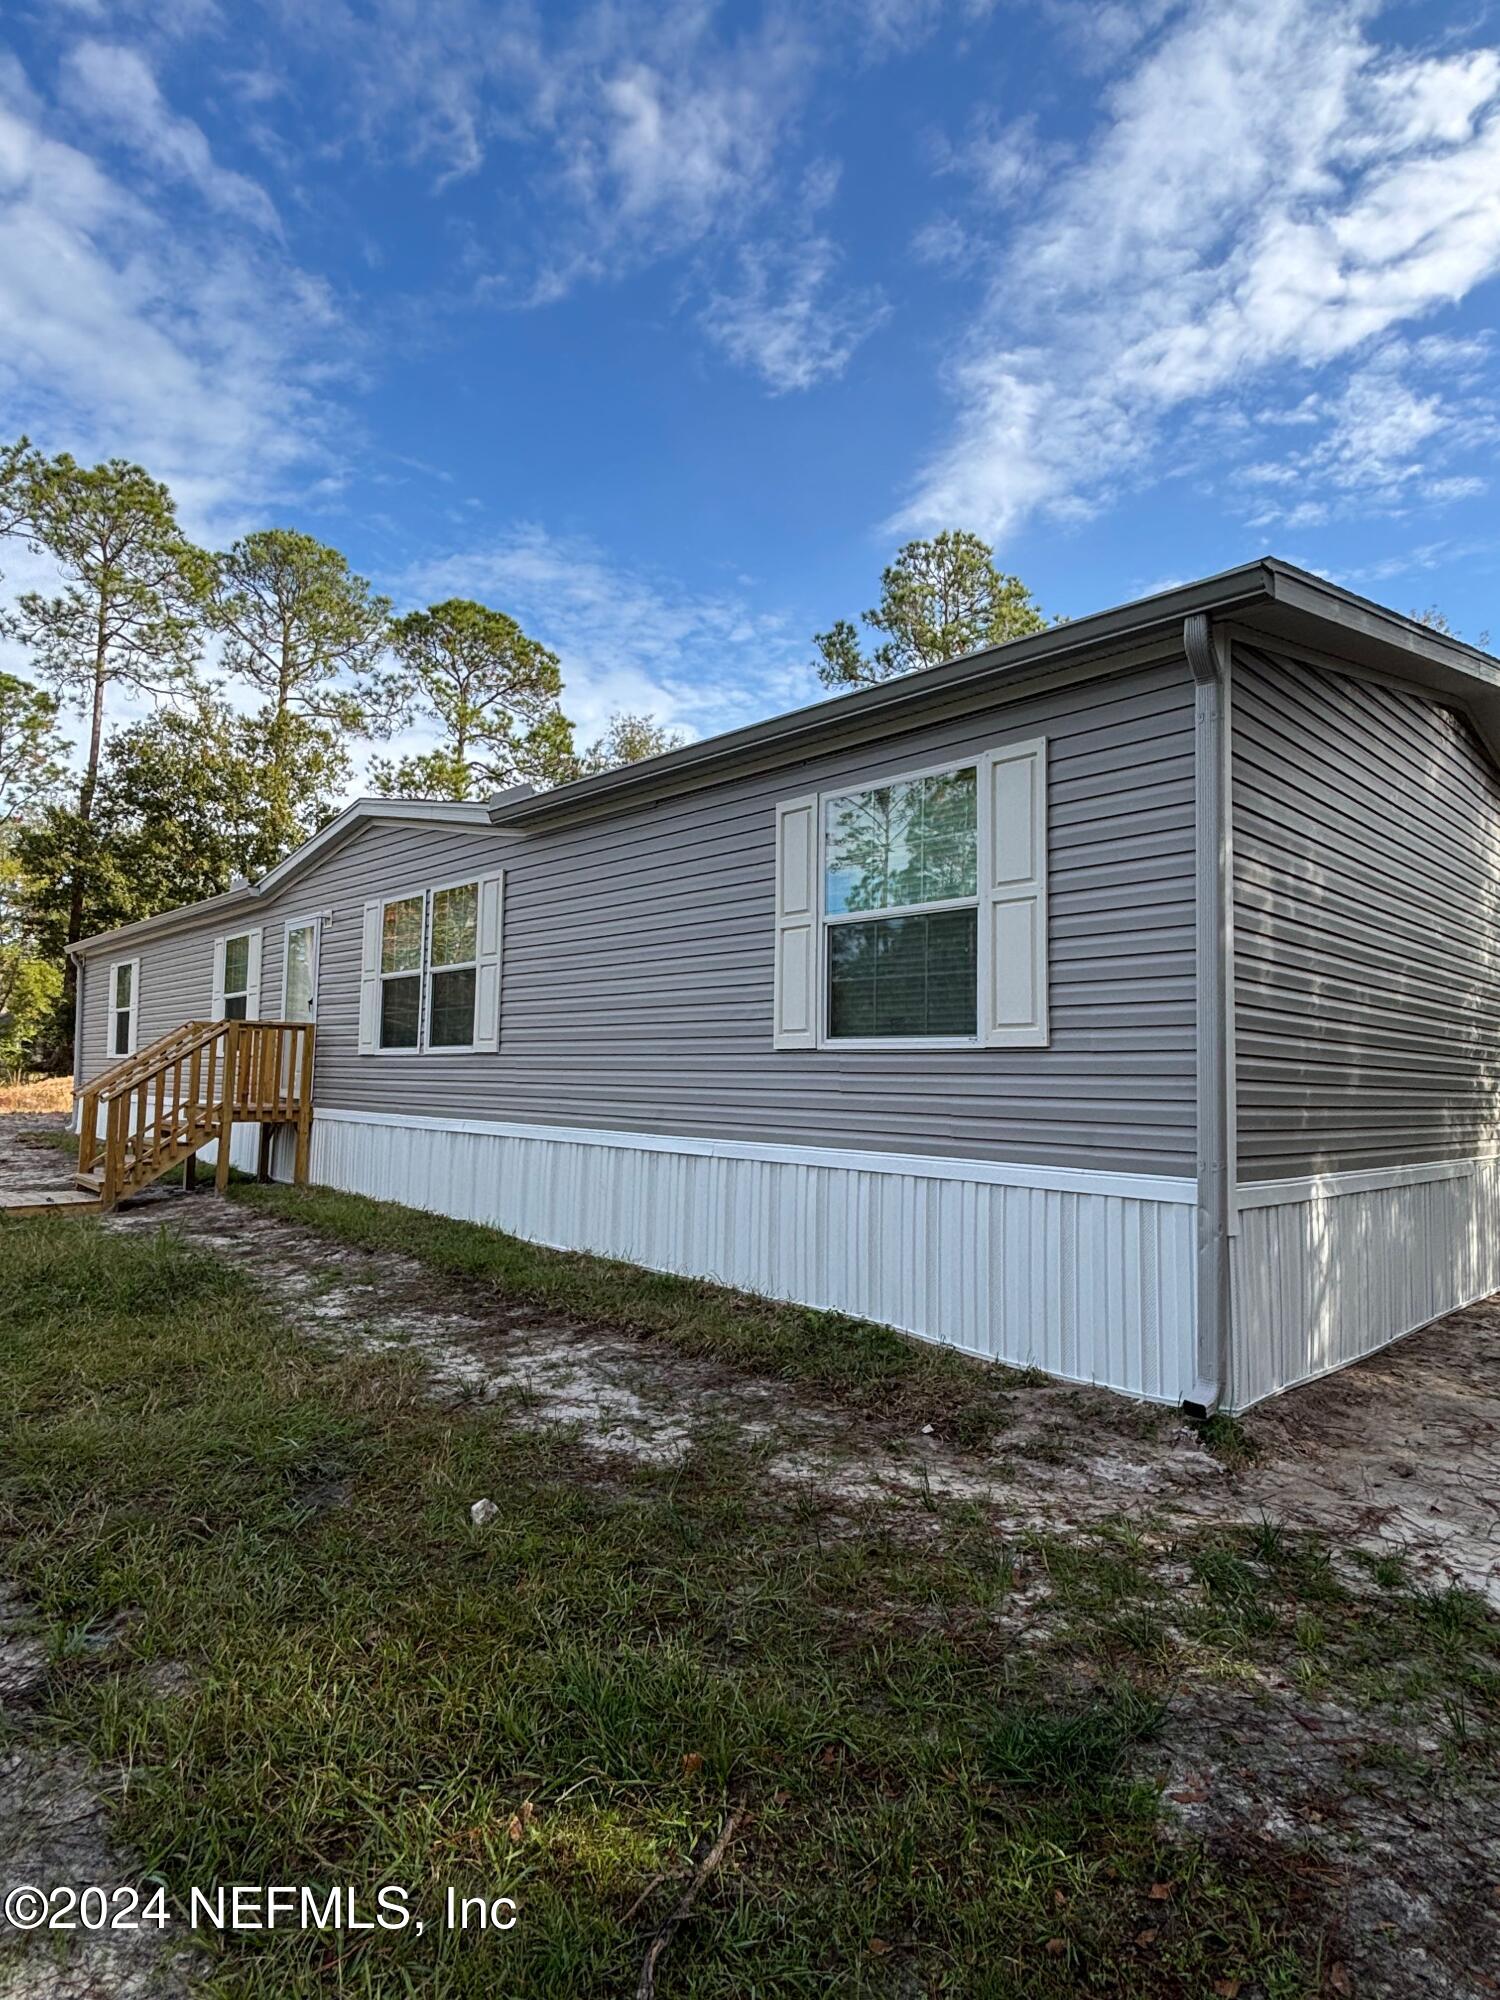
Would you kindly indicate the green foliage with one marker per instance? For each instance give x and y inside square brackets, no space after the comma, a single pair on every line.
[182,808]
[30,990]
[298,626]
[33,751]
[491,691]
[938,599]
[17,465]
[628,739]
[130,610]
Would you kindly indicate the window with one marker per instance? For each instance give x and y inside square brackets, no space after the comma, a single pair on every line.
[123,994]
[429,969]
[909,851]
[401,926]
[915,910]
[455,966]
[236,978]
[429,978]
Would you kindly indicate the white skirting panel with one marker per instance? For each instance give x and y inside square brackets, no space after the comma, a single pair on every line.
[1327,1271]
[1092,1281]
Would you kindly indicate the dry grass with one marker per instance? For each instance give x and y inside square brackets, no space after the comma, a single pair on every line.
[39,1094]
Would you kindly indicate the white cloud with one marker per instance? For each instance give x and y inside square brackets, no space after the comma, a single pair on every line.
[1269,189]
[632,136]
[194,348]
[628,639]
[1382,441]
[111,88]
[782,317]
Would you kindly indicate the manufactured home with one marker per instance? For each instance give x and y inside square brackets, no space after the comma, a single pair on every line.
[1122,1001]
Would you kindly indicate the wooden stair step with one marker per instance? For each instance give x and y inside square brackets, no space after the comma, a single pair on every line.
[45,1201]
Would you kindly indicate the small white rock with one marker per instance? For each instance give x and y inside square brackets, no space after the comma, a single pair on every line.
[927,1430]
[483,1512]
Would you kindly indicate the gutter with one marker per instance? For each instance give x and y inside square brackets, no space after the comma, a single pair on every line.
[1208,656]
[1058,648]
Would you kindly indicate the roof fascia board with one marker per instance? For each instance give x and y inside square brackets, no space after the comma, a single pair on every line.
[1472,697]
[1018,662]
[1300,591]
[472,814]
[871,726]
[1285,593]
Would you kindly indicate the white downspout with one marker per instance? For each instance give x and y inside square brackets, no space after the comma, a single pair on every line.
[1208,657]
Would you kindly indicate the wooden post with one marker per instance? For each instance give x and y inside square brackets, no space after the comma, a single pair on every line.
[190,1173]
[142,1114]
[88,1136]
[304,1106]
[226,1103]
[114,1149]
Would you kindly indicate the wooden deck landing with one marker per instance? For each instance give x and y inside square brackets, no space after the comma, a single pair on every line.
[41,1201]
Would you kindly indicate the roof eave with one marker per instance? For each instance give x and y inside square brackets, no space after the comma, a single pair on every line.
[429,812]
[1059,646]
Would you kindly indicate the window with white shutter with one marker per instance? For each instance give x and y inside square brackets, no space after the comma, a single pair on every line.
[430,970]
[915,910]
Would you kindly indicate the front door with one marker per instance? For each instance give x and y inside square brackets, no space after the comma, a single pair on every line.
[299,996]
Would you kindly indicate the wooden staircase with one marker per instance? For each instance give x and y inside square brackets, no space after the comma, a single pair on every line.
[189,1090]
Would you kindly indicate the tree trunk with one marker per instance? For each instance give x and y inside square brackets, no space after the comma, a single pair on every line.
[86,793]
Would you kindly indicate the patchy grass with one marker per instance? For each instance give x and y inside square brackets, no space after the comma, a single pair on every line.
[906,1380]
[1229,1441]
[47,1139]
[37,1095]
[940,1789]
[941,1742]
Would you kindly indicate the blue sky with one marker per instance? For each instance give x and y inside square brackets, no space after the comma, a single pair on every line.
[661,326]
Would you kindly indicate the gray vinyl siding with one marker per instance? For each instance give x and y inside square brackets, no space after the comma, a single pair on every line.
[637,962]
[1367,893]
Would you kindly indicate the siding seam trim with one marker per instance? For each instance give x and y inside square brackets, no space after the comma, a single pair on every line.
[1358,1180]
[994,1173]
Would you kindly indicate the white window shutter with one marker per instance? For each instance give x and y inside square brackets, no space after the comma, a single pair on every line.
[252,975]
[369,981]
[795,1023]
[135,1004]
[1013,989]
[217,1011]
[487,972]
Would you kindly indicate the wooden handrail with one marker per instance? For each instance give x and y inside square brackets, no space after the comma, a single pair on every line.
[188,1090]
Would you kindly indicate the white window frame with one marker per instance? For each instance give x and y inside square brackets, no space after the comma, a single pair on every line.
[976,902]
[315,925]
[416,1049]
[470,1047]
[238,992]
[423,1045]
[117,966]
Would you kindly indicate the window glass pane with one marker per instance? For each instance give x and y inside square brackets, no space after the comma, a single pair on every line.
[122,984]
[401,936]
[400,1011]
[455,925]
[299,973]
[452,1024]
[122,1032]
[237,966]
[911,842]
[904,976]
[234,1006]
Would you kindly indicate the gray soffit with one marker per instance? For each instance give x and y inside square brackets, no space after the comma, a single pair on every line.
[1269,595]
